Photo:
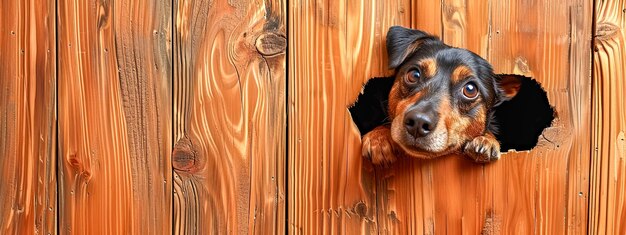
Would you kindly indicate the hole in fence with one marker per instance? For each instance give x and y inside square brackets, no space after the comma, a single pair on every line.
[370,109]
[520,120]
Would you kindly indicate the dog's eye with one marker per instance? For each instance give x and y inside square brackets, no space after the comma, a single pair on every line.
[470,90]
[412,76]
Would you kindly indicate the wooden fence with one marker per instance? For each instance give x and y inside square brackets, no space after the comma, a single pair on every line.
[230,116]
[573,182]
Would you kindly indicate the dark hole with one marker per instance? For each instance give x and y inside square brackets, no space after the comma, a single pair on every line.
[520,121]
[370,110]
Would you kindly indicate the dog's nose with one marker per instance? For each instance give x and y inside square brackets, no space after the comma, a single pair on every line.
[419,124]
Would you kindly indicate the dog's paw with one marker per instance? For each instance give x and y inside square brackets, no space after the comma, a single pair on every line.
[378,148]
[483,149]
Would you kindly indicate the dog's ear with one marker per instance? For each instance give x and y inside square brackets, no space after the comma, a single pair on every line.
[402,42]
[508,85]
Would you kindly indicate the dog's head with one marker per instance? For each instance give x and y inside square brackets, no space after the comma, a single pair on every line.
[442,96]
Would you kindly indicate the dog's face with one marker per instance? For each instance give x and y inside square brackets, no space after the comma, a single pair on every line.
[442,96]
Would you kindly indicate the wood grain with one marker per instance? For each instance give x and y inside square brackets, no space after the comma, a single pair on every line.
[337,45]
[549,41]
[28,190]
[529,192]
[608,167]
[230,119]
[125,166]
[114,117]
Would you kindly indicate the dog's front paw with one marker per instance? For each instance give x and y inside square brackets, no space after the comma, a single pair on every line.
[483,148]
[377,147]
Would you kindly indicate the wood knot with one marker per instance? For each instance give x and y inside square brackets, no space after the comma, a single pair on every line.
[184,158]
[360,209]
[103,17]
[492,223]
[269,44]
[393,216]
[521,64]
[606,31]
[74,161]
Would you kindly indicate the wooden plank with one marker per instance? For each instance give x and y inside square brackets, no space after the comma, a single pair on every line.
[115,117]
[28,189]
[540,191]
[335,46]
[549,41]
[230,119]
[446,195]
[608,167]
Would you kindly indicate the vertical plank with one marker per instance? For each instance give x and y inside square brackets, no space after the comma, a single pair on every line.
[230,119]
[579,98]
[608,171]
[115,117]
[28,126]
[335,46]
[539,191]
[405,195]
[548,186]
[447,195]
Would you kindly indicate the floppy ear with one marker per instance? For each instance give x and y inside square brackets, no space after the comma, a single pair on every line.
[508,85]
[402,42]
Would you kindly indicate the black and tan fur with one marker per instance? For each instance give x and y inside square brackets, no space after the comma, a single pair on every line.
[429,109]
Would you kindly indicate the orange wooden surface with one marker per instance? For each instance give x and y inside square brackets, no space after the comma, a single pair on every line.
[337,45]
[229,105]
[159,117]
[607,206]
[28,119]
[114,93]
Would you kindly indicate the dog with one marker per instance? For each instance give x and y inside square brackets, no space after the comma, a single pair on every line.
[441,102]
